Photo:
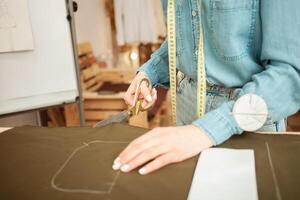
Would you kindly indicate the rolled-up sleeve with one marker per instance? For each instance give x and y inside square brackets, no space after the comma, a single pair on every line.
[157,68]
[279,83]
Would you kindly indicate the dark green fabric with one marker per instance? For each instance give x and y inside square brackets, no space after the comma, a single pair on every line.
[30,156]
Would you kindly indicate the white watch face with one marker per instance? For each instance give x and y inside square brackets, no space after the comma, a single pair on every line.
[250,112]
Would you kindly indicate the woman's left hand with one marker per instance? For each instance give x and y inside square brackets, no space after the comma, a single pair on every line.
[162,146]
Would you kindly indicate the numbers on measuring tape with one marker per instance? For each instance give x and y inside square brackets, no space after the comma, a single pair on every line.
[201,74]
[172,55]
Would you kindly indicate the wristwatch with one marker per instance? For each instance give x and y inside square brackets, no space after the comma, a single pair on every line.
[250,112]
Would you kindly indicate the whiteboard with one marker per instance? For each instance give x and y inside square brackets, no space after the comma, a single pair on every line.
[45,76]
[15,26]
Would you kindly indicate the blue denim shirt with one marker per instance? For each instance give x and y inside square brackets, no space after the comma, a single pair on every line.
[253,45]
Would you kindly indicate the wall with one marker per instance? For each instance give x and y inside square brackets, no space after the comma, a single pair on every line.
[29,118]
[92,26]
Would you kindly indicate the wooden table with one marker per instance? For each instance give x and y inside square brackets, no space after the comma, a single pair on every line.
[2,129]
[31,157]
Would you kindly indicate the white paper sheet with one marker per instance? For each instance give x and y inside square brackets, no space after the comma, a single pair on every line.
[15,26]
[224,174]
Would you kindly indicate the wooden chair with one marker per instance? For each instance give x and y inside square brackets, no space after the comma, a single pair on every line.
[99,105]
[294,122]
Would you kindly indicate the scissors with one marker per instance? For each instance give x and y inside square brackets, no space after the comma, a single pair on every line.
[131,111]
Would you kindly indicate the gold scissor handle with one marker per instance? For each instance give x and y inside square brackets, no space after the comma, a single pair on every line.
[137,104]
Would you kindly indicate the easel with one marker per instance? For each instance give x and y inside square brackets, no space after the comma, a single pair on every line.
[71,7]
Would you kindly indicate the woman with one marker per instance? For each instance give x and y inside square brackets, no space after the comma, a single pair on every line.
[250,46]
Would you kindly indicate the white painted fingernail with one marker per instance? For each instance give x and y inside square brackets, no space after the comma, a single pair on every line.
[142,171]
[125,168]
[148,98]
[116,166]
[117,160]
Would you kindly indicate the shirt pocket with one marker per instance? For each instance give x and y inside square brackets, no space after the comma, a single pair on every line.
[232,24]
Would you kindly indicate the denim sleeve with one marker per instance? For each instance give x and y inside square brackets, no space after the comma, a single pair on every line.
[157,67]
[164,4]
[279,83]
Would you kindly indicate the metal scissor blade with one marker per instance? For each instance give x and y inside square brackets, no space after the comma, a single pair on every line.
[118,118]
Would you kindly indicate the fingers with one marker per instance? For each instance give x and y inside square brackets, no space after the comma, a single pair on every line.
[146,91]
[144,149]
[158,163]
[144,157]
[136,147]
[129,95]
[146,104]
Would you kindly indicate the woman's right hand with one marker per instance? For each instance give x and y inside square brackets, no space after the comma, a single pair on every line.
[147,94]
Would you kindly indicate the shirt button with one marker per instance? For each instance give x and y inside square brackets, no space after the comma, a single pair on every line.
[194,13]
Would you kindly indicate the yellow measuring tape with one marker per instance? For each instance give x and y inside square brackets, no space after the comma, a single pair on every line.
[201,75]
